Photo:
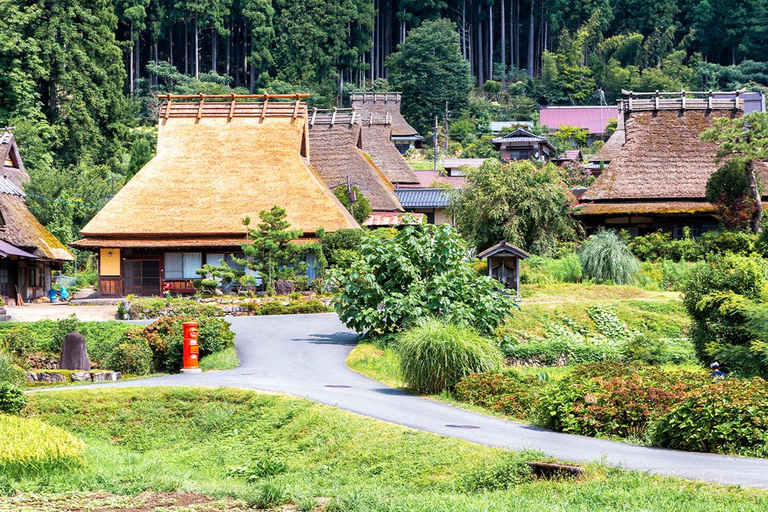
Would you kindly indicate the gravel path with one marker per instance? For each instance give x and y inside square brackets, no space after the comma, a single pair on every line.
[304,355]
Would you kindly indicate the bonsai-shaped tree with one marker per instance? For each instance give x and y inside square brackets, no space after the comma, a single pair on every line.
[744,139]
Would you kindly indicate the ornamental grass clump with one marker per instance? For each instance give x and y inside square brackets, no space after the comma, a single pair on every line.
[28,444]
[435,355]
[605,257]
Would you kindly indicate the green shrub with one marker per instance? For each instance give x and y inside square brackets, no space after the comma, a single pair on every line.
[561,351]
[301,283]
[497,392]
[607,322]
[133,356]
[727,242]
[605,257]
[505,473]
[18,342]
[214,335]
[725,417]
[719,296]
[651,247]
[12,398]
[64,327]
[166,340]
[11,373]
[435,355]
[338,245]
[644,348]
[614,399]
[420,272]
[29,445]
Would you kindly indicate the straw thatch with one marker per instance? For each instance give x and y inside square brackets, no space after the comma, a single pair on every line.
[377,144]
[13,166]
[663,158]
[212,171]
[613,145]
[22,229]
[337,154]
[384,104]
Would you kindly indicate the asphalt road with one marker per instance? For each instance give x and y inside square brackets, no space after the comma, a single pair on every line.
[304,355]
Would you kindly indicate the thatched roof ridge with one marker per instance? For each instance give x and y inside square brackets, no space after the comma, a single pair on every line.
[337,154]
[211,172]
[10,158]
[23,230]
[384,104]
[663,158]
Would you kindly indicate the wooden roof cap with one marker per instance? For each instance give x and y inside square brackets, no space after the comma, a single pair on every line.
[232,96]
[199,106]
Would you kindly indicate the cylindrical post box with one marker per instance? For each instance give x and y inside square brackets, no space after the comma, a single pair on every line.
[191,348]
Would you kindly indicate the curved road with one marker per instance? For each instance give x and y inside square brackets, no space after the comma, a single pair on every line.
[304,355]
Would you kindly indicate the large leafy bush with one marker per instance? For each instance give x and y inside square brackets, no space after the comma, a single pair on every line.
[28,444]
[132,356]
[9,372]
[725,417]
[605,257]
[614,399]
[497,391]
[420,272]
[435,355]
[724,297]
[166,340]
[12,398]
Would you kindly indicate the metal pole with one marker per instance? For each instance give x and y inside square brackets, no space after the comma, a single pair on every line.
[351,196]
[446,128]
[435,147]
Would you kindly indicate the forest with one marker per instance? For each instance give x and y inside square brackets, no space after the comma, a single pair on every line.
[79,78]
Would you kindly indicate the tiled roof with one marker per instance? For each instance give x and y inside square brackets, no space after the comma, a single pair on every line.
[427,178]
[519,135]
[423,197]
[8,187]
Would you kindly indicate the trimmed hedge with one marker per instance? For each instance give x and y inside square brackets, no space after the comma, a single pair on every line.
[498,392]
[725,417]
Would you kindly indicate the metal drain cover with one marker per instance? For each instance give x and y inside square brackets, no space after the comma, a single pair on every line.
[246,374]
[469,427]
[337,386]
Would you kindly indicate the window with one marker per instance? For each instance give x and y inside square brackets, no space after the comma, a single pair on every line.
[32,273]
[215,259]
[519,154]
[182,265]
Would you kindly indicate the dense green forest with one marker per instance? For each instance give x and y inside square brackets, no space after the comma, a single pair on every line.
[78,78]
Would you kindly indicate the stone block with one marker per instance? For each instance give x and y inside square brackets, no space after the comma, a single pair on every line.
[74,354]
[81,376]
[51,377]
[105,376]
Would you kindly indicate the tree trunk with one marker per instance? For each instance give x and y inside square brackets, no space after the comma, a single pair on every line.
[516,22]
[464,29]
[186,47]
[170,45]
[757,216]
[503,47]
[214,49]
[531,40]
[373,42]
[130,63]
[480,51]
[228,53]
[137,59]
[490,42]
[197,49]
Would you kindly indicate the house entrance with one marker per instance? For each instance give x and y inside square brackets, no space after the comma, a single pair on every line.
[141,277]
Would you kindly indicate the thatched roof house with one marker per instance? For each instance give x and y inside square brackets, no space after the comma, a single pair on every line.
[386,134]
[658,177]
[28,251]
[335,143]
[219,159]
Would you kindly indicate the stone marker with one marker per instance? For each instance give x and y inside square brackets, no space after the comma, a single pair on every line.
[80,376]
[74,354]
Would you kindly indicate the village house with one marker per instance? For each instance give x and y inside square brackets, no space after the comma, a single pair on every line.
[523,145]
[430,202]
[657,178]
[219,160]
[593,119]
[335,143]
[28,252]
[387,105]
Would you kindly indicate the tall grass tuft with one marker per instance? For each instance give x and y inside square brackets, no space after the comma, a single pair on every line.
[605,257]
[29,445]
[435,355]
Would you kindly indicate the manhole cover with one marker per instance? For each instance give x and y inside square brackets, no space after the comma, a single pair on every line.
[246,374]
[463,426]
[337,386]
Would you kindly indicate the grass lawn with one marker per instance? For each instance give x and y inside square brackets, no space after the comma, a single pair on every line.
[272,449]
[226,359]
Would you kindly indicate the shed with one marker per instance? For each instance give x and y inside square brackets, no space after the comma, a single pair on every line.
[504,263]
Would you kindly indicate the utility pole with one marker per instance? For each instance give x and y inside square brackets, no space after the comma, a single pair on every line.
[435,147]
[447,113]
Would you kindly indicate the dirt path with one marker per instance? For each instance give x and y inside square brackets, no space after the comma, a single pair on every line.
[59,310]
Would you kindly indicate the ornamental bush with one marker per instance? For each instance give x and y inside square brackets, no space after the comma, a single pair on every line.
[605,257]
[166,340]
[133,356]
[28,444]
[18,343]
[12,398]
[435,355]
[614,399]
[725,417]
[496,391]
[420,272]
[11,373]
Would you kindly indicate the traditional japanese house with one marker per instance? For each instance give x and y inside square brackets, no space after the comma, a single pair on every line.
[610,149]
[335,143]
[431,202]
[219,160]
[592,118]
[28,251]
[657,178]
[523,145]
[387,104]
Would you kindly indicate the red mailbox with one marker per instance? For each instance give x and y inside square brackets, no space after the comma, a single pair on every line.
[191,348]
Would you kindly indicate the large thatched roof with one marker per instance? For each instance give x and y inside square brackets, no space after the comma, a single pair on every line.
[663,162]
[13,166]
[217,163]
[21,229]
[335,144]
[613,145]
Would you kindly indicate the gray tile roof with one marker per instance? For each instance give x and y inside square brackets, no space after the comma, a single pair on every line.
[423,197]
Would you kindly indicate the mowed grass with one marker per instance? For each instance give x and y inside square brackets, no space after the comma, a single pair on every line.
[187,439]
[226,359]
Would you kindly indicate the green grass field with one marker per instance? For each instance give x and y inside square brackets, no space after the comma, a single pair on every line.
[272,449]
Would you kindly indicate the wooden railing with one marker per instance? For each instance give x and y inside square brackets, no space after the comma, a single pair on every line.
[214,105]
[682,100]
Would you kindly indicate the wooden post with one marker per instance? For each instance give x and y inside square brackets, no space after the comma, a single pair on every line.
[656,99]
[517,275]
[232,107]
[314,113]
[709,100]
[264,107]
[200,107]
[333,119]
[490,267]
[682,99]
[296,107]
